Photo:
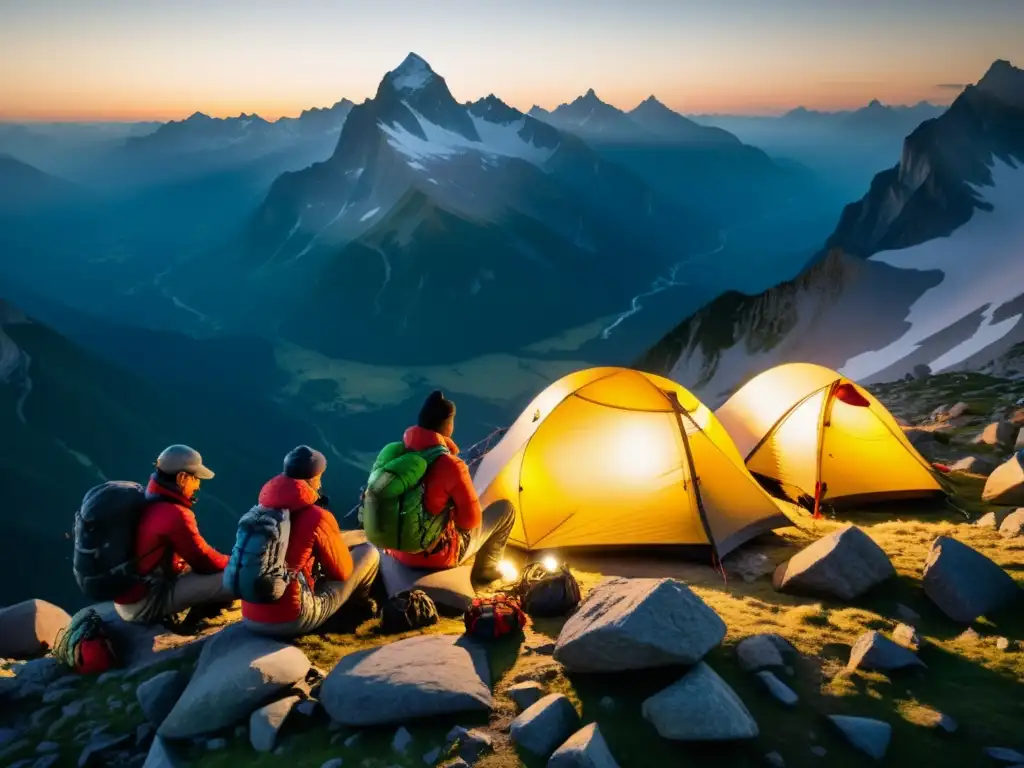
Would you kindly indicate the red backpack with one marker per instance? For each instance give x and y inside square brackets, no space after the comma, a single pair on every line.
[492,617]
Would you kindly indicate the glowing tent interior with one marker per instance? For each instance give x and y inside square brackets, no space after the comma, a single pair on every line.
[809,432]
[616,457]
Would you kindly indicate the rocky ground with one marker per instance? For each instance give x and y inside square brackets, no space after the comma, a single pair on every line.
[820,644]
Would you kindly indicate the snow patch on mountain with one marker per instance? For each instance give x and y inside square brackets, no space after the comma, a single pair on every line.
[983,263]
[370,214]
[496,140]
[412,74]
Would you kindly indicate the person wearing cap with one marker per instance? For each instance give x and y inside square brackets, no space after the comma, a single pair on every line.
[329,575]
[471,533]
[179,569]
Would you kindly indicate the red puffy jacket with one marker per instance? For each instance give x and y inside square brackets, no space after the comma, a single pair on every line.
[447,480]
[314,538]
[169,536]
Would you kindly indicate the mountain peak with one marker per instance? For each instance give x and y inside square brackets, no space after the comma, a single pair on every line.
[197,117]
[1004,81]
[412,74]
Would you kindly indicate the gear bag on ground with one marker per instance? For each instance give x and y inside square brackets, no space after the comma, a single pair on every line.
[392,512]
[257,571]
[105,528]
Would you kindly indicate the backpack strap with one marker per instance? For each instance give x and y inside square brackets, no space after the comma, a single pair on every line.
[434,452]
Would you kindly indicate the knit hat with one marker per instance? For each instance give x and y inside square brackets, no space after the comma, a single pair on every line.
[436,410]
[304,463]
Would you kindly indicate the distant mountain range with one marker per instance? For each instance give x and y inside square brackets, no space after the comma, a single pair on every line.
[705,168]
[924,269]
[25,189]
[439,230]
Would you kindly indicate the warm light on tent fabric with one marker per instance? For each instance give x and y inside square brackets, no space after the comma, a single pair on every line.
[801,424]
[550,564]
[607,464]
[508,571]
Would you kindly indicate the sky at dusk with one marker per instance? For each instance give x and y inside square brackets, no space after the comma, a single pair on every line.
[156,59]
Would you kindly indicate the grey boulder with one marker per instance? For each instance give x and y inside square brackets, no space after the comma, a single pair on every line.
[1001,433]
[627,624]
[974,465]
[545,724]
[877,652]
[1012,526]
[782,692]
[237,672]
[526,693]
[416,677]
[845,564]
[266,723]
[30,628]
[963,583]
[869,736]
[159,755]
[700,707]
[584,749]
[760,651]
[158,695]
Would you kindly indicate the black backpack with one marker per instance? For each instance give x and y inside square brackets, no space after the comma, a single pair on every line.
[547,594]
[408,610]
[105,528]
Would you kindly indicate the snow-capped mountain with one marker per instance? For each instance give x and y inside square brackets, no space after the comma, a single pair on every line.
[925,269]
[438,230]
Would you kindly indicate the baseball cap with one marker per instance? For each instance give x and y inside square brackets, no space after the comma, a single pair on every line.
[181,458]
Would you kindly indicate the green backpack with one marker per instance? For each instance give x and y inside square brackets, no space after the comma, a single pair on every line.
[392,512]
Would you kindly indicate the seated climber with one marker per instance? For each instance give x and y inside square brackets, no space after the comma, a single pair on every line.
[448,490]
[318,574]
[178,569]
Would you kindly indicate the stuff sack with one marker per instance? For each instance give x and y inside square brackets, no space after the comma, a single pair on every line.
[86,645]
[105,529]
[257,571]
[408,610]
[392,512]
[490,618]
[547,594]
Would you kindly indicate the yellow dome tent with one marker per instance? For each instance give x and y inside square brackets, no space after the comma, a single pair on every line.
[616,457]
[801,424]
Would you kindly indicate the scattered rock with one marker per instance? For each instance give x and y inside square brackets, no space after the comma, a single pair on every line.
[875,651]
[964,583]
[906,636]
[158,695]
[402,740]
[214,745]
[472,743]
[969,635]
[1012,526]
[307,707]
[525,694]
[749,566]
[993,519]
[1003,644]
[774,759]
[57,696]
[760,651]
[700,707]
[352,740]
[778,689]
[922,371]
[546,724]
[46,761]
[431,757]
[334,762]
[974,465]
[819,751]
[584,749]
[266,723]
[1005,486]
[30,628]
[845,564]
[237,671]
[7,735]
[1001,433]
[1004,754]
[416,677]
[144,735]
[99,744]
[47,746]
[958,410]
[627,624]
[607,703]
[921,438]
[869,736]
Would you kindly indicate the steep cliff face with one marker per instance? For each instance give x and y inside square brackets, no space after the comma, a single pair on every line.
[924,269]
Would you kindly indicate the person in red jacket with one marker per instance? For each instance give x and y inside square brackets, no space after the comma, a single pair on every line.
[471,532]
[329,575]
[179,570]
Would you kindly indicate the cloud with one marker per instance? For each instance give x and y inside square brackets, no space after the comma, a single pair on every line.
[951,86]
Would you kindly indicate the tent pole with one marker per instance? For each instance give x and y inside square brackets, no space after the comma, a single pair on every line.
[823,425]
[677,410]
